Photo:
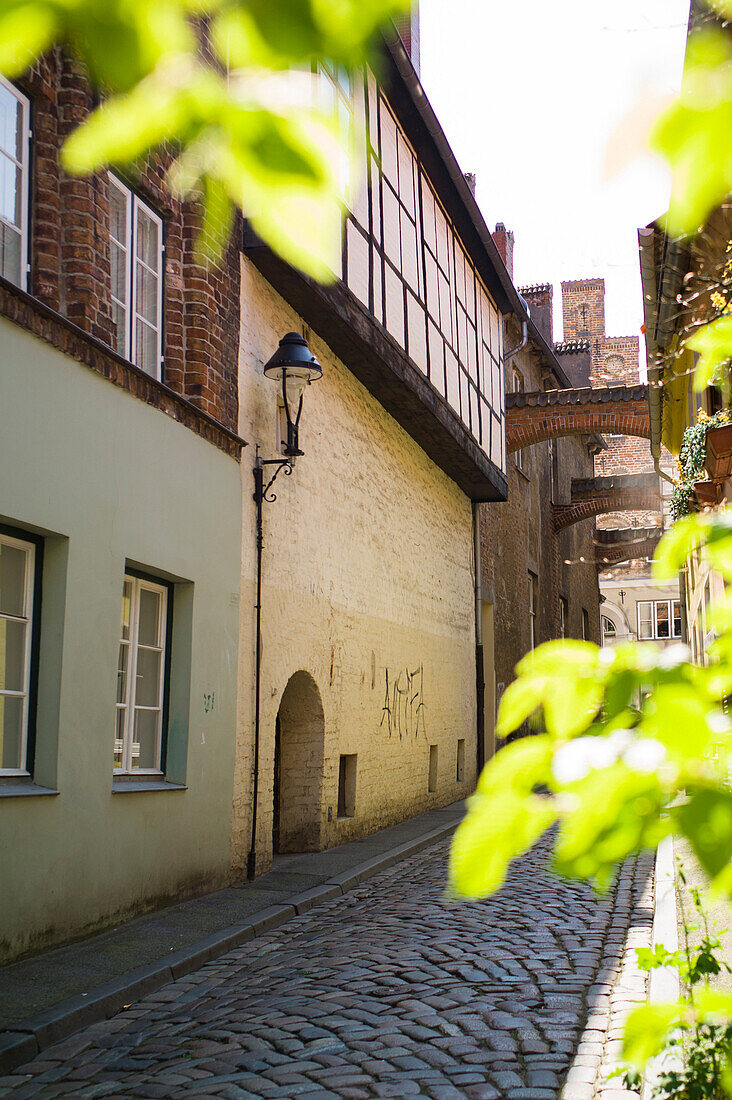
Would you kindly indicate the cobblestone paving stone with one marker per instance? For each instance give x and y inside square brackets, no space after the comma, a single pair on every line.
[389,991]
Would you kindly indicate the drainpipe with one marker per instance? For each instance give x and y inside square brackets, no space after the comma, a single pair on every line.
[660,309]
[522,343]
[479,676]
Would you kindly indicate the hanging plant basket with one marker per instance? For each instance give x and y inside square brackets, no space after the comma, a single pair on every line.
[718,457]
[707,493]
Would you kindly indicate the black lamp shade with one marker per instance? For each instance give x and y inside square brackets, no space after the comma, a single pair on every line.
[294,358]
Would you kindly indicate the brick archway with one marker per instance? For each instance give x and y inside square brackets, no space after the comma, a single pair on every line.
[612,547]
[550,414]
[598,495]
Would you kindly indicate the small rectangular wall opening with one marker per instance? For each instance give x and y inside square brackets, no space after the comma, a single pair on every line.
[432,777]
[461,761]
[347,785]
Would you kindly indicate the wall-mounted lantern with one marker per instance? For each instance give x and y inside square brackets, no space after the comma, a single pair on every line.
[293,367]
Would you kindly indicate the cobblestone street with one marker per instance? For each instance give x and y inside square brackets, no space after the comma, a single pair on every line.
[389,990]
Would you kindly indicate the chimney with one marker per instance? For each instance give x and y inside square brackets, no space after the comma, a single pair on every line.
[408,27]
[470,180]
[541,303]
[504,243]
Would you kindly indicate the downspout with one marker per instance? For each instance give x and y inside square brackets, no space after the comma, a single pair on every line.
[522,343]
[659,307]
[479,674]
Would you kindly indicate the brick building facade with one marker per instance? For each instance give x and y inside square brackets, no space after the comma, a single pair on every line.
[71,259]
[613,361]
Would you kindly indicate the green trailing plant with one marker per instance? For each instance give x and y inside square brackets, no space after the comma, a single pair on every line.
[699,1052]
[691,461]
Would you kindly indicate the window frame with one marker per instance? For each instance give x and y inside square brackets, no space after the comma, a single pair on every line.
[141,580]
[14,536]
[25,167]
[654,605]
[518,384]
[533,605]
[563,616]
[133,203]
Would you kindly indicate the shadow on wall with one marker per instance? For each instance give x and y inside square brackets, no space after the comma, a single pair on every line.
[298,767]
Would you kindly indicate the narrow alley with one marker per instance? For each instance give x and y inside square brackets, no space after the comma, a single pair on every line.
[390,990]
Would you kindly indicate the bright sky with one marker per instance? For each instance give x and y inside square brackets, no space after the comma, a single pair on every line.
[531,95]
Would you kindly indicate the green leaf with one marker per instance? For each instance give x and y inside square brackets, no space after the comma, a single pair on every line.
[677,716]
[694,133]
[495,831]
[706,821]
[26,32]
[713,342]
[676,545]
[646,1030]
[519,701]
[612,813]
[518,767]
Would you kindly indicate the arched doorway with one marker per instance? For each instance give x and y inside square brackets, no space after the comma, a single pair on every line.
[298,767]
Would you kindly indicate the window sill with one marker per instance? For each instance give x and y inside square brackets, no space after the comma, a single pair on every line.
[17,787]
[138,784]
[523,474]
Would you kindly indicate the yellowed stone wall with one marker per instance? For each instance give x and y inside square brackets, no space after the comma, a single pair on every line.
[368,574]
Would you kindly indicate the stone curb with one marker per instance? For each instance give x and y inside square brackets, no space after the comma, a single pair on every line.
[21,1042]
[664,983]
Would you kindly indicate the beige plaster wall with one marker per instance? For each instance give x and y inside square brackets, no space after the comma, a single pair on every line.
[367,574]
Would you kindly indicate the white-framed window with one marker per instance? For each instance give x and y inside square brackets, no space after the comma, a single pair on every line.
[136,256]
[517,380]
[141,676]
[14,168]
[533,594]
[18,582]
[609,633]
[658,619]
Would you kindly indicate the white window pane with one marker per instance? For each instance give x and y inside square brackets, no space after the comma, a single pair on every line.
[148,239]
[149,665]
[11,123]
[677,619]
[119,317]
[146,301]
[645,620]
[117,213]
[10,254]
[662,620]
[145,740]
[10,191]
[126,609]
[146,348]
[11,732]
[12,655]
[13,564]
[149,617]
[118,258]
[122,665]
[119,737]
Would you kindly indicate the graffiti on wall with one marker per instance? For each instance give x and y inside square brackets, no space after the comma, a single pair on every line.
[404,709]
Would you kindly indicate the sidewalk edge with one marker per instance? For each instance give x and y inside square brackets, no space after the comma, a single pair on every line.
[21,1042]
[663,985]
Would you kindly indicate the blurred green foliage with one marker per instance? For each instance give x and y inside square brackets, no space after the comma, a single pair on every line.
[231,86]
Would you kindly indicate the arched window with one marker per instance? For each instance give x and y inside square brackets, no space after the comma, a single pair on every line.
[609,632]
[517,379]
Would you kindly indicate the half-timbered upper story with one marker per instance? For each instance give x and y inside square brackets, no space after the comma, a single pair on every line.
[418,314]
